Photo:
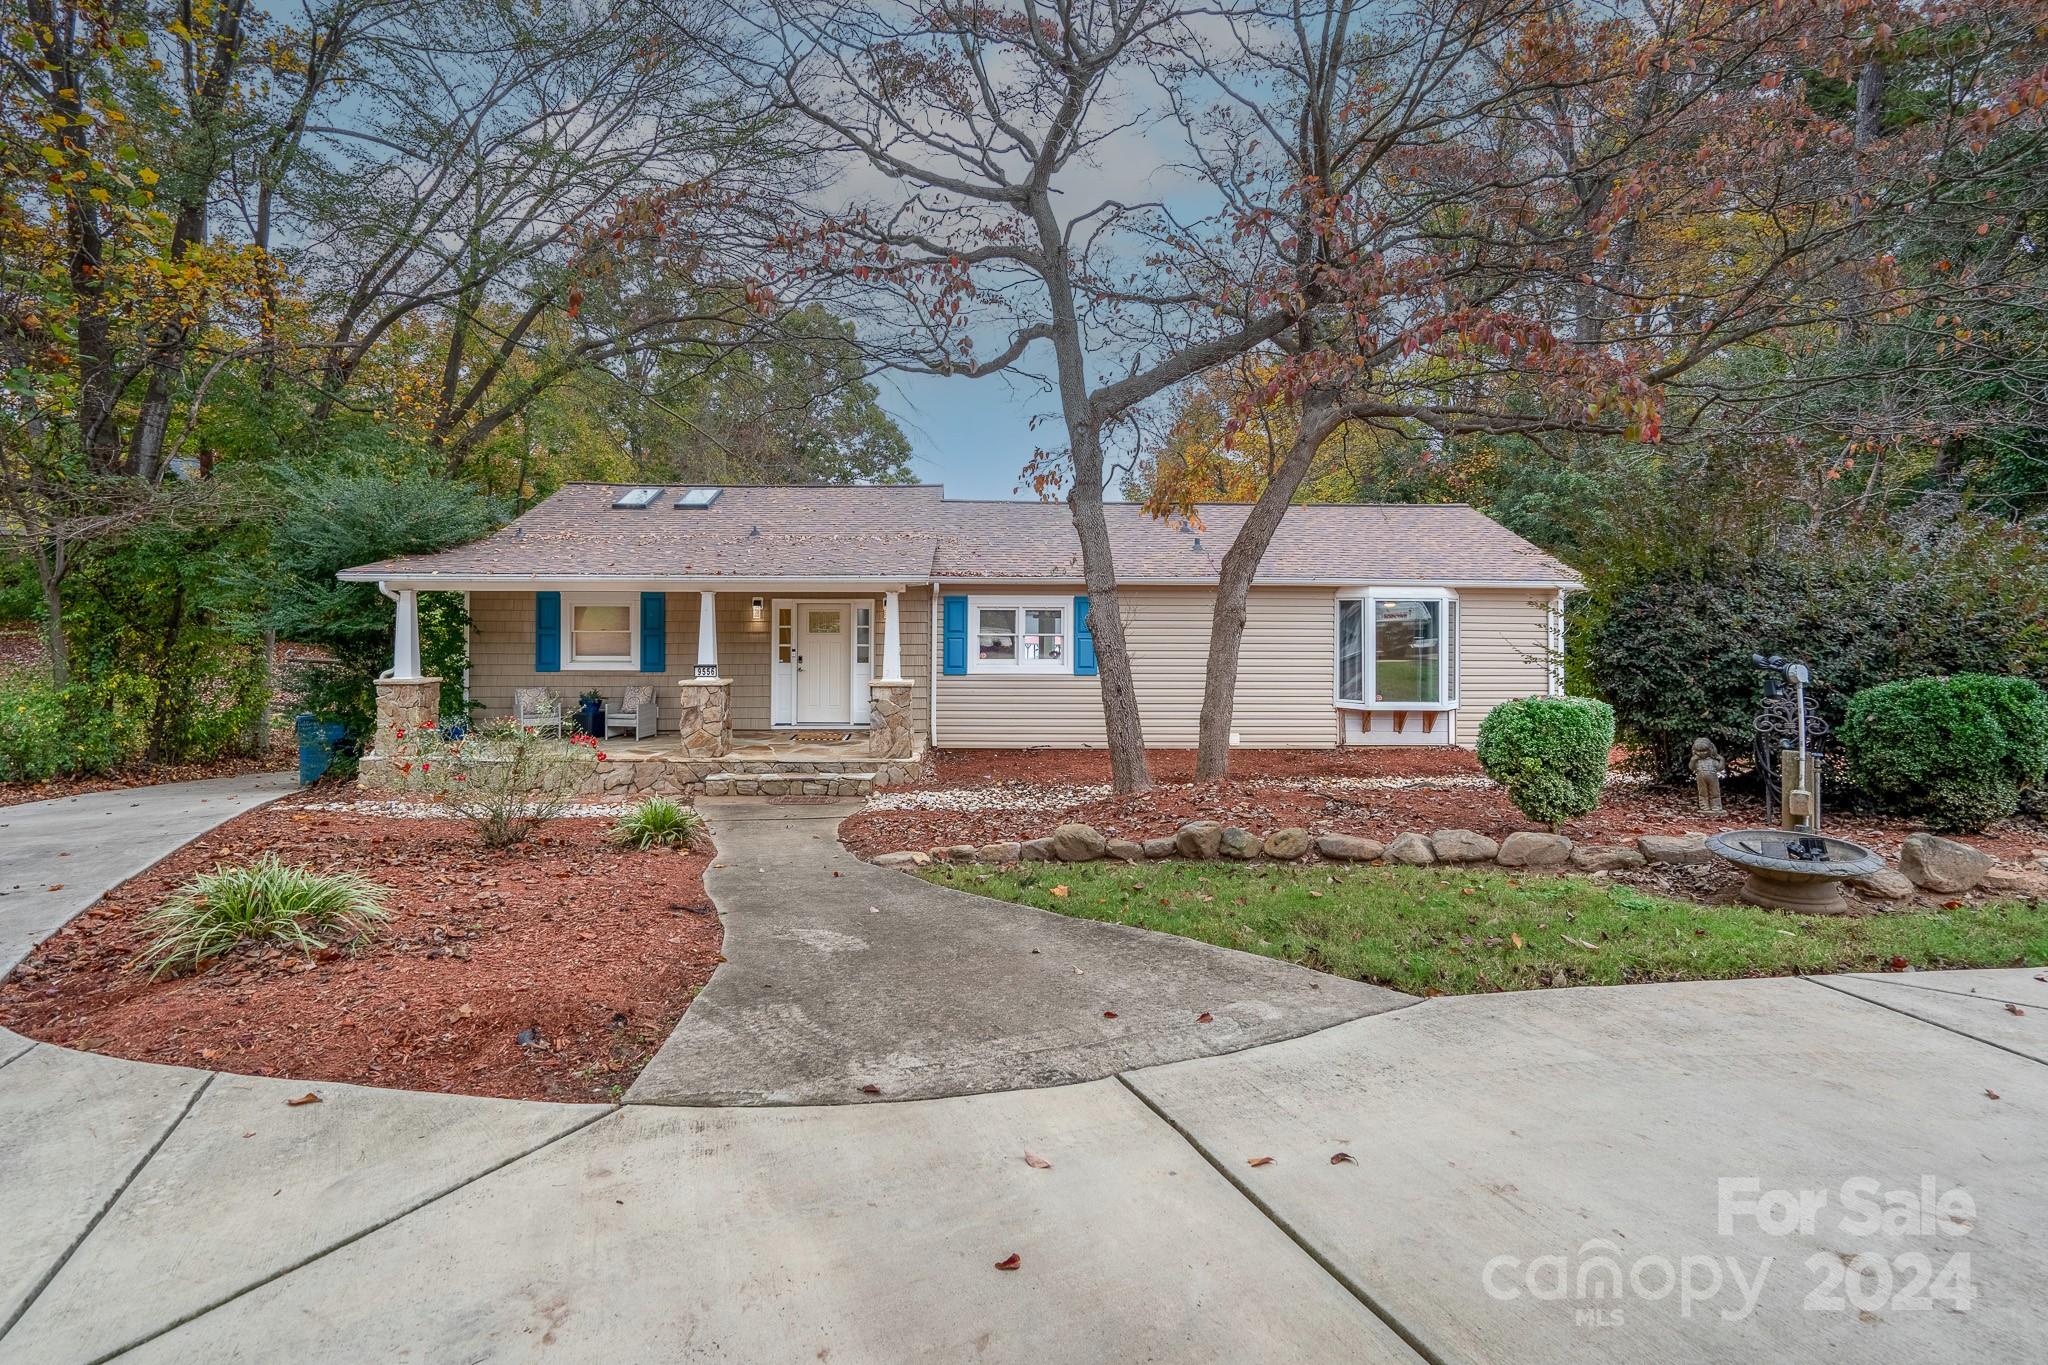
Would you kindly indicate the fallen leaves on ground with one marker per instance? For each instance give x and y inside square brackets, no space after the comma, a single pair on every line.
[1010,1262]
[1205,1018]
[2014,1009]
[308,1098]
[1036,1162]
[1060,891]
[871,1090]
[1341,1157]
[1260,1161]
[1109,1014]
[1990,1094]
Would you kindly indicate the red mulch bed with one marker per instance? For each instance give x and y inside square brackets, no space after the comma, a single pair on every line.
[594,949]
[1271,789]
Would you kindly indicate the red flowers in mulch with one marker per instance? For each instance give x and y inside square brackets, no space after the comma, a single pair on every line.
[550,970]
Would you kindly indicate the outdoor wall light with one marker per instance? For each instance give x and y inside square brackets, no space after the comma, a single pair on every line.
[757,609]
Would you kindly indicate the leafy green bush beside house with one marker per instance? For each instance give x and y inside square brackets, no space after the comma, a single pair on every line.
[1957,750]
[1550,753]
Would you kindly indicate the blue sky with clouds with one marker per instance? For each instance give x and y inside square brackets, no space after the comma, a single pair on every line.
[972,435]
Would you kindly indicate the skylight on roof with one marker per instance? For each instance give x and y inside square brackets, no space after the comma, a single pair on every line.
[699,497]
[637,497]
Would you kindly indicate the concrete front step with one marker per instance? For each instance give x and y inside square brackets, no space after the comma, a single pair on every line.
[803,767]
[744,783]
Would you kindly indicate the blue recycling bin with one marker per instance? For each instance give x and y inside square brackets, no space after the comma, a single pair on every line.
[317,739]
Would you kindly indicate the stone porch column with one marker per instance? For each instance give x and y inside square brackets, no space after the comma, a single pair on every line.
[706,716]
[406,704]
[891,727]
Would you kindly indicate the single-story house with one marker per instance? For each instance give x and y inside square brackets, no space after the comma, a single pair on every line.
[892,618]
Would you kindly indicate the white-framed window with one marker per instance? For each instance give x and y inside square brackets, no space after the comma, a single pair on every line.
[1020,635]
[863,634]
[1397,649]
[604,631]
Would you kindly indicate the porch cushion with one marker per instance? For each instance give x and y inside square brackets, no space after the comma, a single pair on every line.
[636,698]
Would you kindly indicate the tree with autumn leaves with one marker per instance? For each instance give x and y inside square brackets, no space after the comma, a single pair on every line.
[1421,220]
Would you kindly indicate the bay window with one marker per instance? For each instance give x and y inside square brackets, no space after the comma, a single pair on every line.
[1398,649]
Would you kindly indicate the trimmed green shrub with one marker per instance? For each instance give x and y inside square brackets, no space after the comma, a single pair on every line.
[267,901]
[1550,753]
[658,822]
[1956,750]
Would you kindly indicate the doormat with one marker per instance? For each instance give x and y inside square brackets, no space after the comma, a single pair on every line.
[822,736]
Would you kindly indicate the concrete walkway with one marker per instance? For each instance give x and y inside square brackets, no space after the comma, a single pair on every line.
[841,975]
[58,857]
[1507,1150]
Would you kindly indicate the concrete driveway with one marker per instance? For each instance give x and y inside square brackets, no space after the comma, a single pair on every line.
[842,976]
[1655,1173]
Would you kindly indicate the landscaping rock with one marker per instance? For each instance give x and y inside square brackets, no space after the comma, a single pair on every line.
[1884,885]
[1412,849]
[999,853]
[1199,839]
[1160,848]
[1942,865]
[963,853]
[1529,848]
[1035,851]
[1462,846]
[1125,851]
[909,857]
[1238,843]
[1686,850]
[1078,844]
[1286,843]
[1349,848]
[2015,881]
[1589,859]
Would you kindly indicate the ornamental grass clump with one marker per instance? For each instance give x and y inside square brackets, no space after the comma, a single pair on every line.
[505,780]
[1957,751]
[658,822]
[1550,753]
[266,901]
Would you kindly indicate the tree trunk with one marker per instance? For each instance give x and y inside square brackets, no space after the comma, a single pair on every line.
[56,645]
[1121,725]
[1234,581]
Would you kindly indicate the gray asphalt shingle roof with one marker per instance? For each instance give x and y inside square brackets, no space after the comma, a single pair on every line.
[915,533]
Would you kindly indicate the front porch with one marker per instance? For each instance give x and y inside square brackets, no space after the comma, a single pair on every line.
[729,709]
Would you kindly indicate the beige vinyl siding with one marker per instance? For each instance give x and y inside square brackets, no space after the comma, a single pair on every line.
[501,654]
[1283,693]
[1503,650]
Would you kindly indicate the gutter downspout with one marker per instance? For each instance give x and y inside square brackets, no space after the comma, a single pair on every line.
[385,588]
[931,629]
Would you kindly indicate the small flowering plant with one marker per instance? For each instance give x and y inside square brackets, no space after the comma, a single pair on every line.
[505,779]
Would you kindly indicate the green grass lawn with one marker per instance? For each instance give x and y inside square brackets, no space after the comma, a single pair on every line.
[1430,931]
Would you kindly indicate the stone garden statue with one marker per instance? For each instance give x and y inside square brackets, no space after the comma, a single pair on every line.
[1707,770]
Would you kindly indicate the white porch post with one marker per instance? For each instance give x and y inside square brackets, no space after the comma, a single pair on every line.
[405,643]
[707,634]
[892,638]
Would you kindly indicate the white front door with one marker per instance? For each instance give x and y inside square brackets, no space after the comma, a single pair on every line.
[824,664]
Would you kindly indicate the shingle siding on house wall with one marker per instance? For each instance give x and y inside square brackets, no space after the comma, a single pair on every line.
[501,654]
[1504,636]
[1283,695]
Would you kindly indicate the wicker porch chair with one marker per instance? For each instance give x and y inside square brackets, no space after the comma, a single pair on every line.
[635,712]
[537,708]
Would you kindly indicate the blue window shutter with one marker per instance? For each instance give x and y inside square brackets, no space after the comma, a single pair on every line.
[654,632]
[956,637]
[547,632]
[1084,641]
